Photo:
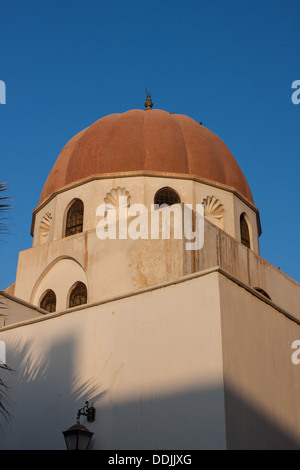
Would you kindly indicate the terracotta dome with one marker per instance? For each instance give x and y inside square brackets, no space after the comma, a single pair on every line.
[152,141]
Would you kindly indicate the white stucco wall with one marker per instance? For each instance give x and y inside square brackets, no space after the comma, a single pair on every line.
[151,364]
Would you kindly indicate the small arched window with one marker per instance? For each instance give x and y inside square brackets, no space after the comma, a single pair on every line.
[166,196]
[74,220]
[78,295]
[48,301]
[245,234]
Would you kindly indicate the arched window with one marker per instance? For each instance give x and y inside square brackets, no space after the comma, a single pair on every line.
[166,196]
[74,220]
[78,295]
[48,301]
[245,235]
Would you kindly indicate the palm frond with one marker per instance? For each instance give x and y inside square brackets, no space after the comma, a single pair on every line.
[4,206]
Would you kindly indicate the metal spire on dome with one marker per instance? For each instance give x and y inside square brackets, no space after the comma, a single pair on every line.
[148,103]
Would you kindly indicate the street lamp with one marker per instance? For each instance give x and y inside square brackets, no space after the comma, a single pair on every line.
[78,437]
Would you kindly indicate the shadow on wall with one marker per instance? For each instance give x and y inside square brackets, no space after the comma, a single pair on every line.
[192,420]
[45,395]
[247,428]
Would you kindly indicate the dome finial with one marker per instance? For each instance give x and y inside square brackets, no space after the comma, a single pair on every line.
[148,103]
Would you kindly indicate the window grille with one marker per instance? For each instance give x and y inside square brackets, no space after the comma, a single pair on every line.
[166,196]
[78,295]
[48,301]
[74,222]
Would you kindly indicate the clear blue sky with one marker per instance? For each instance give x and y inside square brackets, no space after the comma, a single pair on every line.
[228,63]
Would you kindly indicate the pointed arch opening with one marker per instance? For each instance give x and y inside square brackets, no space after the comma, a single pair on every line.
[48,301]
[166,196]
[74,218]
[78,295]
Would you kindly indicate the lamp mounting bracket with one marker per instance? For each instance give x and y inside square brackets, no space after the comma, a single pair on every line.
[88,411]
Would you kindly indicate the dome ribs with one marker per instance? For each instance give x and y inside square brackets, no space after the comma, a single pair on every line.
[151,141]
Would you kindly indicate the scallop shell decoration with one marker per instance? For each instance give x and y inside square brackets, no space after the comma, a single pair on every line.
[213,207]
[45,228]
[112,198]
